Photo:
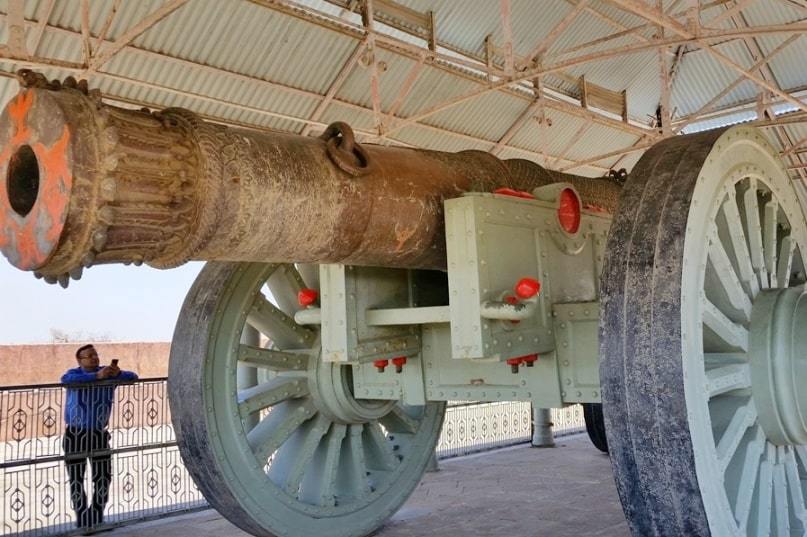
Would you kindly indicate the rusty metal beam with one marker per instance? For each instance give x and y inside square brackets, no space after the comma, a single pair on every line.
[561,27]
[107,23]
[507,36]
[739,80]
[768,29]
[321,19]
[610,154]
[78,68]
[406,87]
[132,33]
[86,47]
[767,73]
[430,58]
[735,9]
[574,140]
[520,122]
[15,43]
[424,55]
[638,7]
[617,51]
[795,147]
[784,119]
[45,9]
[337,84]
[666,89]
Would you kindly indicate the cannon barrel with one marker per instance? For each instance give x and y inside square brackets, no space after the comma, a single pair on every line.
[89,183]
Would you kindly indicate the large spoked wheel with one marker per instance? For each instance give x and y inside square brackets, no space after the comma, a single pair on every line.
[296,454]
[704,341]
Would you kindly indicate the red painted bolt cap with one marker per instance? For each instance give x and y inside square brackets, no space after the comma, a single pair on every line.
[530,358]
[514,361]
[306,297]
[527,287]
[401,360]
[515,193]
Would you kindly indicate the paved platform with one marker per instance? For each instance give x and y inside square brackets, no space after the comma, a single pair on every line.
[567,491]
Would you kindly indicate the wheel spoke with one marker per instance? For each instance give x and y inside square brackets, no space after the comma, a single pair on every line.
[754,233]
[272,359]
[738,241]
[728,278]
[277,326]
[284,284]
[786,252]
[764,511]
[718,359]
[796,492]
[732,334]
[780,496]
[769,239]
[352,479]
[278,426]
[293,459]
[398,421]
[270,393]
[318,487]
[309,274]
[744,417]
[728,378]
[801,451]
[380,455]
[748,479]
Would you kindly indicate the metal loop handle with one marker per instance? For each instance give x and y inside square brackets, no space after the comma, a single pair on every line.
[344,151]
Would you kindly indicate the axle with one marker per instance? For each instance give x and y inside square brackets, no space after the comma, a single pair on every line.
[90,183]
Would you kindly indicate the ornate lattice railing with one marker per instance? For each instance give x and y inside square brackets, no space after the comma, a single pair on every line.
[472,427]
[148,478]
[147,475]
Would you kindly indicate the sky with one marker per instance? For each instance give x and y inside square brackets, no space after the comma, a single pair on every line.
[112,303]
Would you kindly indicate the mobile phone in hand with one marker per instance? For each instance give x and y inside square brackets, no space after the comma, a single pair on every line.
[115,362]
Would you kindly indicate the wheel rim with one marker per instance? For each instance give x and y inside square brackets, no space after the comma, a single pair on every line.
[740,306]
[318,461]
[693,346]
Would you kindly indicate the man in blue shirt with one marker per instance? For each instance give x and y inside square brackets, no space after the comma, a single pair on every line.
[86,415]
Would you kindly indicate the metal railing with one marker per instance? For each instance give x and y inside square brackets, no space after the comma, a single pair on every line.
[146,477]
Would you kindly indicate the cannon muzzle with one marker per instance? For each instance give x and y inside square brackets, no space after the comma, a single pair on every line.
[89,183]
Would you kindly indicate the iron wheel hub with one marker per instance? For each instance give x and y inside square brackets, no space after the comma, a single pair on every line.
[331,391]
[778,340]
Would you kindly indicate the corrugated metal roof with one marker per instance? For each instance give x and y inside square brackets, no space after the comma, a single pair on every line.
[702,77]
[230,60]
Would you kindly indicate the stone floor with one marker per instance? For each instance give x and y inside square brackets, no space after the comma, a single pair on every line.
[567,491]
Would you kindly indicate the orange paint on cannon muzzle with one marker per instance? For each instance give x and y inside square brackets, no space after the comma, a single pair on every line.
[18,110]
[37,182]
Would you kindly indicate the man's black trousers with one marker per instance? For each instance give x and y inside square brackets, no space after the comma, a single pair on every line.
[80,445]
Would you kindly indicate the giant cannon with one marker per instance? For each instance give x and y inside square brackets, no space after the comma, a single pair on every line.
[387,281]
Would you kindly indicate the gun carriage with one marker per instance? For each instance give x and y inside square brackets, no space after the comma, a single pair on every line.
[391,280]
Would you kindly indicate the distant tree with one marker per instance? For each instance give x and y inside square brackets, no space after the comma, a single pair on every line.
[57,335]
